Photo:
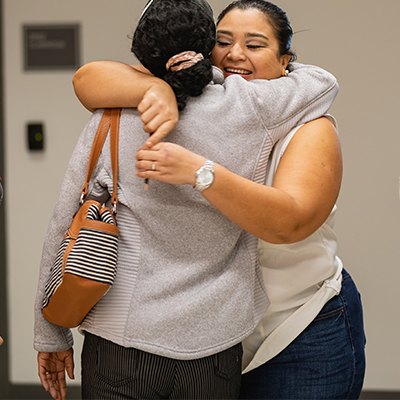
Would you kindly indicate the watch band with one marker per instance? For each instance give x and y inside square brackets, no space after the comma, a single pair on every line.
[207,167]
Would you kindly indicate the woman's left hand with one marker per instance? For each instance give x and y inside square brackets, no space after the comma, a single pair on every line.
[51,370]
[168,162]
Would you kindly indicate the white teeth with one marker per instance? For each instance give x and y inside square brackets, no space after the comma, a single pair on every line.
[237,71]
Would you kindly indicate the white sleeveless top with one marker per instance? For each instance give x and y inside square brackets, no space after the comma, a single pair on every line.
[299,277]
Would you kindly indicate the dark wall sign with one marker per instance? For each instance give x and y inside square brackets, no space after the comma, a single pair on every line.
[51,47]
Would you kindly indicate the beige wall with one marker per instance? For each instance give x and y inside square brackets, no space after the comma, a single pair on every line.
[356,40]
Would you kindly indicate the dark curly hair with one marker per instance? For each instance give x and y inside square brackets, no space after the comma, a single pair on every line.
[276,17]
[169,27]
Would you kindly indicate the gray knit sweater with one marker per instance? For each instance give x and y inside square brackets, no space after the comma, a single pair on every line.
[188,283]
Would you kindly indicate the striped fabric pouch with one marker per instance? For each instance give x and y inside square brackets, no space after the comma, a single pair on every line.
[84,268]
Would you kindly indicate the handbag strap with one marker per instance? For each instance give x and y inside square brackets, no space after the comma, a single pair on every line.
[111,118]
[114,140]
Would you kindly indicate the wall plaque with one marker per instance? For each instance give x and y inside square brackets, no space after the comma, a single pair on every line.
[51,47]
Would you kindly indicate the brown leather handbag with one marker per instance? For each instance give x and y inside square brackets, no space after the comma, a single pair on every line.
[86,262]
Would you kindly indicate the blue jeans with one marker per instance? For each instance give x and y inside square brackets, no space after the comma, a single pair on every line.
[326,361]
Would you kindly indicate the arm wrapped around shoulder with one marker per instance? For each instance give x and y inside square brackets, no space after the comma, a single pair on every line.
[305,94]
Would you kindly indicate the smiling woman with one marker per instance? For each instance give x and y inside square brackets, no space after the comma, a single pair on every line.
[247,46]
[253,41]
[186,293]
[301,348]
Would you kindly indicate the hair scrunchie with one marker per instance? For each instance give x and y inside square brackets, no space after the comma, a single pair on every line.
[183,60]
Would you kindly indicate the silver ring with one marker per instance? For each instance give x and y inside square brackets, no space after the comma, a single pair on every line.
[153,167]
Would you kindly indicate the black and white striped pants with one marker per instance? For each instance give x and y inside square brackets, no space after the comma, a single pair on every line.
[110,371]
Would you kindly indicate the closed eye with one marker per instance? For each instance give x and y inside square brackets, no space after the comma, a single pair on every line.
[252,46]
[222,44]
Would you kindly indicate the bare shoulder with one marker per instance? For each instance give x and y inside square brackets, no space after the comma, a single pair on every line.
[317,139]
[310,171]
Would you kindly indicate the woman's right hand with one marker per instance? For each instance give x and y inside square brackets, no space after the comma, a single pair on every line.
[159,112]
[109,84]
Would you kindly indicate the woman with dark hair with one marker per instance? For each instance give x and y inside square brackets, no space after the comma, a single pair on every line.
[313,298]
[310,342]
[188,288]
[154,53]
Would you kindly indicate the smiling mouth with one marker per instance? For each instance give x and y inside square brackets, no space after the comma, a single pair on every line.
[237,71]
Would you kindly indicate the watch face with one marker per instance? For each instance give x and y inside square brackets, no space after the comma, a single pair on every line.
[205,177]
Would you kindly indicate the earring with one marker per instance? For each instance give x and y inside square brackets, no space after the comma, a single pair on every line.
[287,72]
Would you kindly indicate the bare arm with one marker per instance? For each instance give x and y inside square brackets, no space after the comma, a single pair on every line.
[303,193]
[109,84]
[105,84]
[282,103]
